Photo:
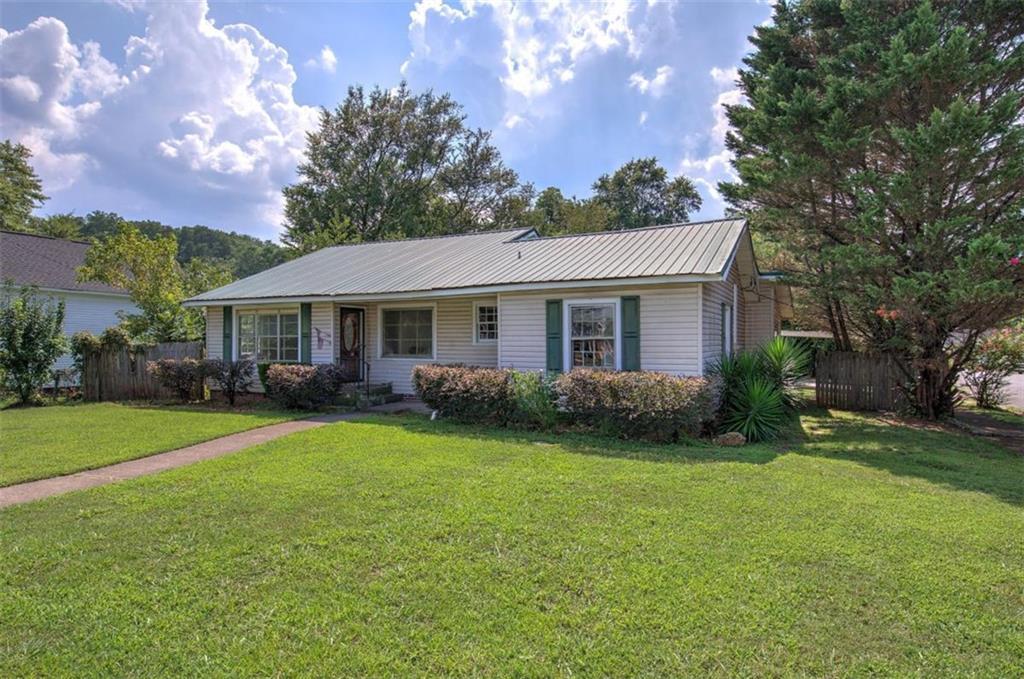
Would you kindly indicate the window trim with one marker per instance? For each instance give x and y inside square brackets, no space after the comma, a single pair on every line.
[381,308]
[477,304]
[567,305]
[236,341]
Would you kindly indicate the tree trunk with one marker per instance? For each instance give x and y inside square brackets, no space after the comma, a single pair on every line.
[934,391]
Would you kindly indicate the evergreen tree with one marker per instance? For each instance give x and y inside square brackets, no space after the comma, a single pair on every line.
[883,145]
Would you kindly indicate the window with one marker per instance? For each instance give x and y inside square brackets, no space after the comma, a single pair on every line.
[486,323]
[592,336]
[268,336]
[407,332]
[726,329]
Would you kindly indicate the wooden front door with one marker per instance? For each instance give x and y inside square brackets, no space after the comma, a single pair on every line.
[350,343]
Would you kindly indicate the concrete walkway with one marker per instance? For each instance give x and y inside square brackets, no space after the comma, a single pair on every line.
[37,490]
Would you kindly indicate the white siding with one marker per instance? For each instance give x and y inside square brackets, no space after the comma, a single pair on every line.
[715,295]
[215,332]
[761,318]
[454,335]
[668,326]
[322,332]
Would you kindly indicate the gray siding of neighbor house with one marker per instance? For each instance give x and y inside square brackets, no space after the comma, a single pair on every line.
[668,326]
[714,295]
[89,311]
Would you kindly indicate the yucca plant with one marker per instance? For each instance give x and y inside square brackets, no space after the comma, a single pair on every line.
[757,410]
[784,362]
[734,370]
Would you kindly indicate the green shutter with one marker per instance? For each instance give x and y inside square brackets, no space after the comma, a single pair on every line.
[553,322]
[630,333]
[228,326]
[306,331]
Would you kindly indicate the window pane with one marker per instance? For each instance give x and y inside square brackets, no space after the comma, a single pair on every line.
[268,349]
[267,325]
[289,324]
[247,324]
[487,323]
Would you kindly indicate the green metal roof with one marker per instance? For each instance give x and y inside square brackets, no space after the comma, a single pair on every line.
[493,259]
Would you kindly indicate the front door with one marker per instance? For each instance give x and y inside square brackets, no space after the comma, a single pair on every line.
[350,346]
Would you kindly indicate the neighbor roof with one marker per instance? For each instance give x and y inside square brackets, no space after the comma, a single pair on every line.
[49,263]
[494,258]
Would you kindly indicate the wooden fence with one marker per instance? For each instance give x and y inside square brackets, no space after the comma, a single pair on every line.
[121,375]
[852,381]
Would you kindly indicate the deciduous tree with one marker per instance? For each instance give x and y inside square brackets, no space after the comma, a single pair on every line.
[20,188]
[640,194]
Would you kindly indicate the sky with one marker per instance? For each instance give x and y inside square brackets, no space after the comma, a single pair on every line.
[196,113]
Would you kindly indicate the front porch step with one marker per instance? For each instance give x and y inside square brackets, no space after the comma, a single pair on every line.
[356,394]
[375,388]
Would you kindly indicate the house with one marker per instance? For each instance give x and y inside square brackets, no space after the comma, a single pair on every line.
[51,265]
[667,298]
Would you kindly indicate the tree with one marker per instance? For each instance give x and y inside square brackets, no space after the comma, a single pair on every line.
[999,355]
[883,145]
[31,340]
[393,164]
[60,225]
[640,194]
[555,215]
[158,283]
[20,188]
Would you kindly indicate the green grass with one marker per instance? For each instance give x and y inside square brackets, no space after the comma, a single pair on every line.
[397,546]
[36,443]
[1006,414]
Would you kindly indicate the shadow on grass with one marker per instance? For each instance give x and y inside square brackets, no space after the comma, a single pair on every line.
[950,459]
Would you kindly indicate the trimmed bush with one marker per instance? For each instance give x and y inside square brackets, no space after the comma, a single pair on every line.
[466,393]
[184,377]
[303,387]
[647,405]
[233,377]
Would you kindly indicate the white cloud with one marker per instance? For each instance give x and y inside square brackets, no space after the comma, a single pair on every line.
[512,121]
[643,117]
[531,48]
[716,166]
[203,113]
[655,85]
[325,61]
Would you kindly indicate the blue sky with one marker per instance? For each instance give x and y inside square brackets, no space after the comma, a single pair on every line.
[196,113]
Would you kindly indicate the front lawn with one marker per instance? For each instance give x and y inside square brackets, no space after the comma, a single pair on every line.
[36,443]
[400,546]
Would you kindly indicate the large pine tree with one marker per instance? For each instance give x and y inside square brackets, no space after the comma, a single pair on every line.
[883,144]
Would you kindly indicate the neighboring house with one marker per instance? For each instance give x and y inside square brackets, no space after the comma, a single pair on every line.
[670,298]
[51,265]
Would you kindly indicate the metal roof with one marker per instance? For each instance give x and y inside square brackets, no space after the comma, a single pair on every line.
[494,258]
[45,262]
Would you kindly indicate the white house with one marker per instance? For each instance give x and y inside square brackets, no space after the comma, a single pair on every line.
[51,265]
[667,298]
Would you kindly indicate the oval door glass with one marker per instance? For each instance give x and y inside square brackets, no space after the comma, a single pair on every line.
[348,333]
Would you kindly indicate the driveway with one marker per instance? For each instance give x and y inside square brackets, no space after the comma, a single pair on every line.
[1016,391]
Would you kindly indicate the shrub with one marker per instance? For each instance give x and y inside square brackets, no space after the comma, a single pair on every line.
[233,377]
[184,376]
[303,387]
[646,405]
[261,371]
[784,363]
[757,411]
[998,356]
[84,343]
[31,340]
[466,393]
[535,400]
[115,337]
